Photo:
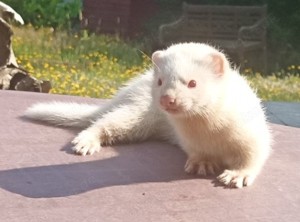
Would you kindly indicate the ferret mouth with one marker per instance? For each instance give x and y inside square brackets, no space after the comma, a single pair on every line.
[173,111]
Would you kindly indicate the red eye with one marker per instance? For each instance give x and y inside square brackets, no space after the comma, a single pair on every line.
[159,82]
[192,84]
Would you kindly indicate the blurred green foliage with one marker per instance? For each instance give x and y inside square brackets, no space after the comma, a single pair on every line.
[45,13]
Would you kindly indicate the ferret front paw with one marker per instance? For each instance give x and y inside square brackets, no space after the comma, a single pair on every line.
[236,179]
[202,168]
[86,142]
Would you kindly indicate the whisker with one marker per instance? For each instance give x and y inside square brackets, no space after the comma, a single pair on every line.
[149,58]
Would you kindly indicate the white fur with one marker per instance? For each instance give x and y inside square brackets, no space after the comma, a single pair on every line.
[219,123]
[63,114]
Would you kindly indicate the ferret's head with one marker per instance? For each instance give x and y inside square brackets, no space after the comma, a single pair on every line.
[188,78]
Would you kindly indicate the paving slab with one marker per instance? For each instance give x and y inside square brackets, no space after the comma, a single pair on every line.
[284,113]
[41,180]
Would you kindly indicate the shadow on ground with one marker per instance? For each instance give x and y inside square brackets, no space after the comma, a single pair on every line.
[139,163]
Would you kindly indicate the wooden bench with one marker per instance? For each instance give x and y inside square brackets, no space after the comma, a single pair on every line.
[235,29]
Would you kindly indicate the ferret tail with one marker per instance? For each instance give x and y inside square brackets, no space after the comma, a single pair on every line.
[63,114]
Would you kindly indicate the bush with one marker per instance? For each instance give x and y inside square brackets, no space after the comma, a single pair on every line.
[45,13]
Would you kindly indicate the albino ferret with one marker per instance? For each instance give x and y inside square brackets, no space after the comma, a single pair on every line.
[191,97]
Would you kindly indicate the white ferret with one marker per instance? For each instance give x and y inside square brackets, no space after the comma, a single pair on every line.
[193,98]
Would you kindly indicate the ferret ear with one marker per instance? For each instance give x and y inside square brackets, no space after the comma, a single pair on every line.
[157,57]
[219,63]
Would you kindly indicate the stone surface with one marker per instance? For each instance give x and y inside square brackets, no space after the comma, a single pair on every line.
[41,180]
[283,113]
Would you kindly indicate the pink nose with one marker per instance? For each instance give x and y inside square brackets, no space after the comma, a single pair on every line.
[167,101]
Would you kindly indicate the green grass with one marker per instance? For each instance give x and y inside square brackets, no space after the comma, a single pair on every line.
[96,66]
[274,88]
[93,66]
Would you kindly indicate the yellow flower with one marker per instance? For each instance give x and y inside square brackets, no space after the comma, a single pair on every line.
[73,71]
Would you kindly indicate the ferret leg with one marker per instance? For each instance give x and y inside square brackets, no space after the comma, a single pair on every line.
[117,125]
[201,167]
[238,177]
